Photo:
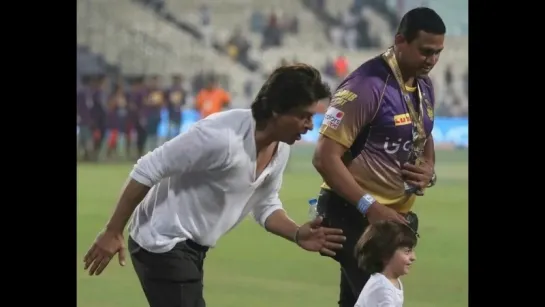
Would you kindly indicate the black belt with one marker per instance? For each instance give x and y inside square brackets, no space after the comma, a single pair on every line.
[196,246]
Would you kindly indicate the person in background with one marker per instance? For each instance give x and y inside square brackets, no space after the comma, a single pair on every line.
[98,113]
[116,122]
[176,98]
[136,97]
[150,114]
[257,21]
[272,34]
[341,67]
[198,81]
[130,128]
[84,119]
[329,68]
[238,46]
[212,98]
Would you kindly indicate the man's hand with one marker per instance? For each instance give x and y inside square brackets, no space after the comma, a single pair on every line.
[417,176]
[106,245]
[378,212]
[315,238]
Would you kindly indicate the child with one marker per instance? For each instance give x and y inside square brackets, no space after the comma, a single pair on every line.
[385,250]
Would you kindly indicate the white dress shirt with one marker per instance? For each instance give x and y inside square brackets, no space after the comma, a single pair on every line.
[380,292]
[203,183]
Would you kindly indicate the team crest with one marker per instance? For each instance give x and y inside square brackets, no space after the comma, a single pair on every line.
[429,109]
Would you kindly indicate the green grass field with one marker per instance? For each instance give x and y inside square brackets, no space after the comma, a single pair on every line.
[249,267]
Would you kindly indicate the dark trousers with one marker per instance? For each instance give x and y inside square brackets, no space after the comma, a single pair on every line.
[171,279]
[338,213]
[141,138]
[147,132]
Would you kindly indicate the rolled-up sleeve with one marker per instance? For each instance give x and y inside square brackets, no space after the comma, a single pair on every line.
[271,201]
[201,148]
[266,208]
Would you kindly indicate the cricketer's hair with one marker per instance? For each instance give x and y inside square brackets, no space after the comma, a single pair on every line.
[287,88]
[421,19]
[379,242]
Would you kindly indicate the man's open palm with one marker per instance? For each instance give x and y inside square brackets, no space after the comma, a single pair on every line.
[315,238]
[106,245]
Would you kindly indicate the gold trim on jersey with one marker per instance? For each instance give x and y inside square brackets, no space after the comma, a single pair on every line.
[417,118]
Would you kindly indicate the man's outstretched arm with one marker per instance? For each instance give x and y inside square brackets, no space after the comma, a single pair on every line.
[270,213]
[310,236]
[198,149]
[280,224]
[133,193]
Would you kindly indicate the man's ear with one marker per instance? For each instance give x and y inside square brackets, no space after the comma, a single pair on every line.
[399,39]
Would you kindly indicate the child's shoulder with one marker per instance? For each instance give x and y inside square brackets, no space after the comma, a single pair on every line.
[377,281]
[378,289]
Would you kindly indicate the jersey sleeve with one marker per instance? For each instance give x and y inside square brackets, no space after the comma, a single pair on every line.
[354,105]
[429,84]
[378,297]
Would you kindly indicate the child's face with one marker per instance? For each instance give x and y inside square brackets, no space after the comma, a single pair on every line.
[402,260]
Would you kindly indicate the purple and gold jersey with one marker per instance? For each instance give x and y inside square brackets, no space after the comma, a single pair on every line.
[368,116]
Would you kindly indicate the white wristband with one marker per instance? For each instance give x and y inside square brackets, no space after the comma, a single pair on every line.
[365,202]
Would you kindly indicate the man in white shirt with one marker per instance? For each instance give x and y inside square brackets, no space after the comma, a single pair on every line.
[186,194]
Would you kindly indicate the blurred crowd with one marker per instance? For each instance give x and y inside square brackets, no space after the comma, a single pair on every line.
[120,118]
[118,112]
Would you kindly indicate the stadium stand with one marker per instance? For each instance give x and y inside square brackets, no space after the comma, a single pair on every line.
[191,37]
[226,15]
[141,42]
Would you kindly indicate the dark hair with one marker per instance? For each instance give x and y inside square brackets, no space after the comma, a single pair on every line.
[211,78]
[380,241]
[289,87]
[421,19]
